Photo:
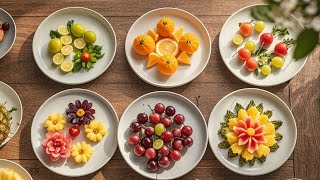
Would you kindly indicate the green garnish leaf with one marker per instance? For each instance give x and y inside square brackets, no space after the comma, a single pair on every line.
[277,124]
[229,115]
[54,34]
[256,72]
[278,136]
[69,25]
[77,66]
[238,107]
[84,64]
[268,113]
[222,132]
[223,125]
[289,41]
[259,51]
[262,159]
[251,104]
[260,108]
[279,31]
[274,147]
[242,161]
[306,42]
[85,49]
[224,144]
[99,56]
[262,13]
[97,48]
[231,154]
[13,109]
[252,161]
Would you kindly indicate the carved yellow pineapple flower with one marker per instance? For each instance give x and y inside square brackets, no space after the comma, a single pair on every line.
[81,152]
[95,131]
[55,122]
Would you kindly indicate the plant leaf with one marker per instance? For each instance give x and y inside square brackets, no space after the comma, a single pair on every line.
[262,159]
[242,161]
[306,42]
[277,124]
[274,147]
[238,107]
[69,24]
[261,13]
[231,154]
[260,108]
[229,115]
[224,144]
[54,34]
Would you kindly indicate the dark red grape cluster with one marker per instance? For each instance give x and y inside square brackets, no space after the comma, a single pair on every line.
[160,136]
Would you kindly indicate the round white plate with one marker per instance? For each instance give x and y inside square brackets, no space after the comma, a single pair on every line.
[91,21]
[280,112]
[9,35]
[238,68]
[16,167]
[184,73]
[8,95]
[102,151]
[190,158]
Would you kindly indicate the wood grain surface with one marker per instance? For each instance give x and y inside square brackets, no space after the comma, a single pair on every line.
[121,86]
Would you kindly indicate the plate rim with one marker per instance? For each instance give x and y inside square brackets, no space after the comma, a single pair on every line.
[264,92]
[180,96]
[21,109]
[177,84]
[89,79]
[9,161]
[77,90]
[244,79]
[15,33]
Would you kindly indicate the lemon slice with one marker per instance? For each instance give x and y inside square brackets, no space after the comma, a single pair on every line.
[58,58]
[63,30]
[66,66]
[167,46]
[237,39]
[66,50]
[66,40]
[79,43]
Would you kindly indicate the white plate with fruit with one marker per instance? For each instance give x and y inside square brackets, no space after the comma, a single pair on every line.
[7,32]
[168,47]
[74,132]
[252,132]
[74,45]
[12,170]
[10,113]
[257,52]
[162,135]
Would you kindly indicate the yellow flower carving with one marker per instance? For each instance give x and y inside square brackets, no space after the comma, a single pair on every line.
[55,122]
[95,131]
[81,152]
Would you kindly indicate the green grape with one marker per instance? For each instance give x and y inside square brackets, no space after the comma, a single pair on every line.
[250,45]
[55,45]
[157,144]
[277,62]
[259,27]
[159,129]
[266,70]
[78,30]
[90,37]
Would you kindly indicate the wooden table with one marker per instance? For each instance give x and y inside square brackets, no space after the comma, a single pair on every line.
[121,86]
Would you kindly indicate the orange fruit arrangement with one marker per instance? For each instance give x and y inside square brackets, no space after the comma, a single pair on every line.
[164,44]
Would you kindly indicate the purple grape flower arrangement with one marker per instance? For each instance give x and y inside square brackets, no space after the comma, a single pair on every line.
[80,113]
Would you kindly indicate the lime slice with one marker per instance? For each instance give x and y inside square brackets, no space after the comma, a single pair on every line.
[157,144]
[237,39]
[58,58]
[66,50]
[66,66]
[66,40]
[63,30]
[79,43]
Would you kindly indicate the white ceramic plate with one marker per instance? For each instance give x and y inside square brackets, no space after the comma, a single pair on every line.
[91,21]
[190,158]
[16,167]
[184,73]
[9,35]
[280,112]
[103,150]
[8,95]
[227,49]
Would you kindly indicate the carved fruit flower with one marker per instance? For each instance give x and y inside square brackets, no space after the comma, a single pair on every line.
[57,145]
[95,131]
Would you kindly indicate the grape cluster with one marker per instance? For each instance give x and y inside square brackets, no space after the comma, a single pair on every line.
[160,136]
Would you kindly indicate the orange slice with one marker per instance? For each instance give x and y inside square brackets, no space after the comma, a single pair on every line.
[153,34]
[167,46]
[153,59]
[176,35]
[184,58]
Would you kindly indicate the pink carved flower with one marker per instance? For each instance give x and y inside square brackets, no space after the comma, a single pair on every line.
[250,133]
[57,145]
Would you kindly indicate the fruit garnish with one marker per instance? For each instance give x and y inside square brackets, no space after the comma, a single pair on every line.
[244,54]
[10,174]
[176,35]
[167,46]
[77,30]
[63,30]
[189,43]
[90,37]
[55,45]
[85,56]
[152,59]
[277,62]
[167,64]
[55,122]
[266,39]
[237,39]
[165,26]
[66,40]
[250,45]
[74,131]
[95,130]
[251,64]
[153,34]
[144,44]
[66,66]
[80,113]
[245,29]
[57,145]
[79,43]
[259,26]
[81,152]
[66,50]
[266,70]
[184,58]
[5,121]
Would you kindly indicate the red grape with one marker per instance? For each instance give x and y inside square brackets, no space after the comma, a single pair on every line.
[164,162]
[146,142]
[167,136]
[150,153]
[164,151]
[244,54]
[187,130]
[152,165]
[149,131]
[135,126]
[281,49]
[142,118]
[187,142]
[170,111]
[177,144]
[155,118]
[266,39]
[139,150]
[5,26]
[175,155]
[176,132]
[166,122]
[179,119]
[251,64]
[159,108]
[74,131]
[134,139]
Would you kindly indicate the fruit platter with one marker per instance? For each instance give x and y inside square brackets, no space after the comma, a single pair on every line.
[74,132]
[258,52]
[74,45]
[7,32]
[10,113]
[165,43]
[10,170]
[252,132]
[162,135]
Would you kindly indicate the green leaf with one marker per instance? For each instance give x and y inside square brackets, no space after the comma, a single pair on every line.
[289,41]
[77,66]
[93,59]
[268,113]
[224,144]
[84,64]
[229,115]
[85,49]
[223,125]
[277,124]
[260,108]
[97,48]
[306,42]
[238,107]
[279,31]
[69,25]
[89,65]
[54,34]
[262,159]
[242,161]
[251,104]
[262,13]
[274,147]
[99,56]
[278,137]
[256,72]
[222,132]
[252,161]
[231,154]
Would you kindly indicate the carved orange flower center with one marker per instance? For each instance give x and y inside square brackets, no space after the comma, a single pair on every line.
[251,131]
